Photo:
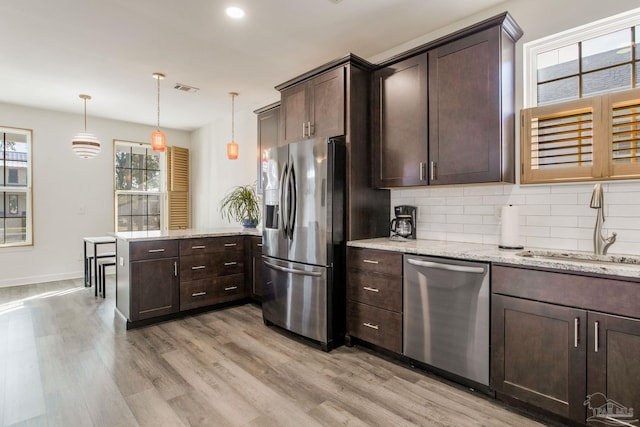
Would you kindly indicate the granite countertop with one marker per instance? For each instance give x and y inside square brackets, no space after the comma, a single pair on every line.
[132,236]
[491,253]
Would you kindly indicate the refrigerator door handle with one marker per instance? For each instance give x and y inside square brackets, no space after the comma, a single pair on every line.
[283,200]
[294,200]
[292,270]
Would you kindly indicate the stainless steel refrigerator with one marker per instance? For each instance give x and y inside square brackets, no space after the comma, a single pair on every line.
[303,239]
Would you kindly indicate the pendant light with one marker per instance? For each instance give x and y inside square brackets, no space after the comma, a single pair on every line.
[232,147]
[85,144]
[158,138]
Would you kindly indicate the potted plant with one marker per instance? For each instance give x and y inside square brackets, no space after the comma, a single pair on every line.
[241,204]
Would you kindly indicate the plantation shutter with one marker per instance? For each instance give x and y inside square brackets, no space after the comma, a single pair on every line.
[559,142]
[178,188]
[624,133]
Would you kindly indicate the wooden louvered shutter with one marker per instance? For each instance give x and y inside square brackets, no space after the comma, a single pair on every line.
[560,142]
[178,188]
[623,111]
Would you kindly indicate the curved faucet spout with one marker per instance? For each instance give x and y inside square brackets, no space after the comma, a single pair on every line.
[600,243]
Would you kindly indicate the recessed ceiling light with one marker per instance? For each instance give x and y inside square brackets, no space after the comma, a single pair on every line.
[235,12]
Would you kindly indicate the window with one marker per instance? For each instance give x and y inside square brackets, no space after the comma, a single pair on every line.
[139,187]
[15,187]
[597,58]
[583,90]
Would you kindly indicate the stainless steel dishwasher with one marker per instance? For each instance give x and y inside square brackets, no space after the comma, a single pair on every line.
[446,315]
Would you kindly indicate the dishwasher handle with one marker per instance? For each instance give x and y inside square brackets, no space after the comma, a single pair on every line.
[448,267]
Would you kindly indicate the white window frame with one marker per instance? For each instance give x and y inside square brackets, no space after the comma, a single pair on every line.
[27,190]
[163,183]
[574,35]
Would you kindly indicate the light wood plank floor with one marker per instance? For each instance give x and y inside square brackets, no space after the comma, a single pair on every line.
[65,361]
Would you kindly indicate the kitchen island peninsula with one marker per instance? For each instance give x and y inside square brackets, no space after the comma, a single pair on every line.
[165,274]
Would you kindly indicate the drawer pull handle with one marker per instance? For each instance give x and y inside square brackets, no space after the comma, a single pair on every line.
[175,268]
[576,323]
[259,245]
[198,294]
[227,264]
[152,251]
[198,247]
[370,261]
[198,267]
[230,288]
[596,332]
[367,288]
[369,325]
[228,245]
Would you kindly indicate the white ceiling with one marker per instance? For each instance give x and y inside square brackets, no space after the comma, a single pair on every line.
[53,50]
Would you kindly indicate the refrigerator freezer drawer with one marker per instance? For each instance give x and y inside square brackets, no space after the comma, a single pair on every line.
[296,297]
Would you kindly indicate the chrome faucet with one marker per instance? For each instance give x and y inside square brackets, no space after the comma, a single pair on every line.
[600,243]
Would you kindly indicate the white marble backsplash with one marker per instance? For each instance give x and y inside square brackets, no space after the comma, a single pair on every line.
[554,216]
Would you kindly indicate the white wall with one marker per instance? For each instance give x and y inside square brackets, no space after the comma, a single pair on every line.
[63,186]
[212,174]
[552,216]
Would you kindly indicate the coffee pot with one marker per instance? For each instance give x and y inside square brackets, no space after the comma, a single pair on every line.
[403,225]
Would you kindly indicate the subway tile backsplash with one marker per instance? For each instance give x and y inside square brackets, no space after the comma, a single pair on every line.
[551,216]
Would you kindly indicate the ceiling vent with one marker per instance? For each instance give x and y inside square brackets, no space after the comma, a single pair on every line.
[186,88]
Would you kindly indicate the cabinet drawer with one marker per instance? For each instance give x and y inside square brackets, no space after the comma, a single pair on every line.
[375,325]
[375,289]
[152,249]
[207,245]
[200,293]
[203,266]
[373,260]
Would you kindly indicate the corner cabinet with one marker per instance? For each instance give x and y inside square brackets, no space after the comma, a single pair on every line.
[564,344]
[314,108]
[399,119]
[460,93]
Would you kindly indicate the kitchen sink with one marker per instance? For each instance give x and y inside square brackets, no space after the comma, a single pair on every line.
[581,257]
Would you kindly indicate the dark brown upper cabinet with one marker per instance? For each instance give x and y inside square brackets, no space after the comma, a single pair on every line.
[443,113]
[314,108]
[399,118]
[268,136]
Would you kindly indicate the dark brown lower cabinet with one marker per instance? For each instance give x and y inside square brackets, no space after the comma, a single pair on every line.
[539,354]
[613,362]
[375,325]
[155,289]
[565,343]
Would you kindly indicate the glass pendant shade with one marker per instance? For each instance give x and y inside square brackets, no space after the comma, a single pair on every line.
[158,141]
[85,145]
[232,151]
[158,138]
[232,147]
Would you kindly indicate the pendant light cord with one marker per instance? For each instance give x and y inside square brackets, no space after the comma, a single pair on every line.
[158,103]
[85,115]
[233,98]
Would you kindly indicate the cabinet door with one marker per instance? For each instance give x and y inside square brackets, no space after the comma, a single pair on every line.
[268,137]
[539,354]
[293,113]
[613,364]
[399,119]
[326,109]
[154,288]
[464,110]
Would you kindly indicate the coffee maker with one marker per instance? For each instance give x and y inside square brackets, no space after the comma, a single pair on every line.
[403,226]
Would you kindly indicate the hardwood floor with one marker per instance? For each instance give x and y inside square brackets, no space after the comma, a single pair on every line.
[66,361]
